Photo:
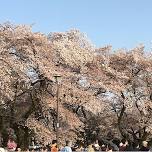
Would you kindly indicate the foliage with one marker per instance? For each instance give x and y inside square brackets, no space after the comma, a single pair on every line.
[112,88]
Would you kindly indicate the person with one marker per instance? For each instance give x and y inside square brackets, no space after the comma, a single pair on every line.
[2,149]
[44,149]
[54,147]
[135,146]
[1,139]
[32,150]
[144,146]
[27,150]
[67,148]
[79,148]
[90,147]
[103,147]
[18,149]
[123,145]
[109,148]
[116,141]
[96,145]
[11,145]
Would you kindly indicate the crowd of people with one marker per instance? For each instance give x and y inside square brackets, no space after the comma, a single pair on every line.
[98,145]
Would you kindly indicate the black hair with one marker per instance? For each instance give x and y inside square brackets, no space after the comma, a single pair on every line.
[110,147]
[54,141]
[89,142]
[135,144]
[123,141]
[116,141]
[44,148]
[67,142]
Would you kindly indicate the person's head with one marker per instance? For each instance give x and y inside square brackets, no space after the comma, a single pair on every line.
[145,143]
[54,142]
[89,142]
[78,144]
[116,141]
[11,139]
[44,148]
[103,147]
[96,141]
[135,144]
[110,147]
[124,142]
[27,150]
[68,143]
[18,149]
[32,149]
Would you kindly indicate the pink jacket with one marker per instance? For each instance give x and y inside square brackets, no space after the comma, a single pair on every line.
[11,145]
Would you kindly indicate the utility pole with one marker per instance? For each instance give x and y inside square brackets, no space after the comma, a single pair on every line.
[57,79]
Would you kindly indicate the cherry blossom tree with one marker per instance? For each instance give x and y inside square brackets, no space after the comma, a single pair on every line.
[101,90]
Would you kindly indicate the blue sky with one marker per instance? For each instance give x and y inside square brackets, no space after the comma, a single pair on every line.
[121,23]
